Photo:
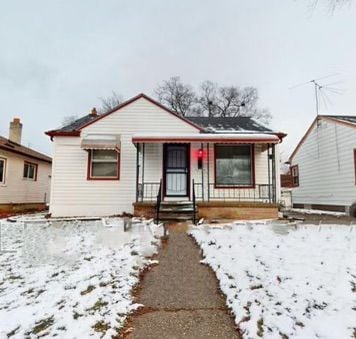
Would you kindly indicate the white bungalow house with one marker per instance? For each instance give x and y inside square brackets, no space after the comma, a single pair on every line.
[142,158]
[323,165]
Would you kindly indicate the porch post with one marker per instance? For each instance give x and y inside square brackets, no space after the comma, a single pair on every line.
[274,173]
[202,173]
[269,174]
[208,165]
[137,169]
[143,170]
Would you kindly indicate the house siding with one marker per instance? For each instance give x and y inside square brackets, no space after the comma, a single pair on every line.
[73,195]
[326,166]
[16,189]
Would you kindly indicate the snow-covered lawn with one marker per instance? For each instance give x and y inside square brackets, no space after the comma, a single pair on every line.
[70,279]
[283,282]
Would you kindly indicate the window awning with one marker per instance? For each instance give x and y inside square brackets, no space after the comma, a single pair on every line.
[101,141]
[239,138]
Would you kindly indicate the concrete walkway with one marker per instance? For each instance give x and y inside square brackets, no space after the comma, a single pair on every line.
[181,297]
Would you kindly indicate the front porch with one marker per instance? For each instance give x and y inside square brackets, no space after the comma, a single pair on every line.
[229,177]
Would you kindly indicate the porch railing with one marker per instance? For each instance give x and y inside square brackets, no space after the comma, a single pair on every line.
[149,191]
[258,193]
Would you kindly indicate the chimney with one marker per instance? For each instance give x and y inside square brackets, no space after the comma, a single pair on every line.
[93,112]
[15,131]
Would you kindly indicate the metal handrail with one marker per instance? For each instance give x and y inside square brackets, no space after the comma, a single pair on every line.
[158,202]
[194,204]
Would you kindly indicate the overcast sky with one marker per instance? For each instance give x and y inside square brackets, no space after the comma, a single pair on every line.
[58,57]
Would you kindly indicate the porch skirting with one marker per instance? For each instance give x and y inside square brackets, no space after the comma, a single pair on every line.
[219,210]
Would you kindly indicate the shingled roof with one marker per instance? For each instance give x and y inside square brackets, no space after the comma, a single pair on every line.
[229,125]
[204,124]
[13,147]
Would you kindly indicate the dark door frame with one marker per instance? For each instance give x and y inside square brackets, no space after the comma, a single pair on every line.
[187,148]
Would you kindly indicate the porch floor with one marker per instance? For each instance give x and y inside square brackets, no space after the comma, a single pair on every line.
[180,296]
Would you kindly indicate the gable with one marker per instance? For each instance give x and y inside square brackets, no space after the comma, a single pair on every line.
[326,119]
[140,115]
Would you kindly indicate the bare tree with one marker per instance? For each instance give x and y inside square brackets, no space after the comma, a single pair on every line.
[230,101]
[110,102]
[206,99]
[332,5]
[176,95]
[69,119]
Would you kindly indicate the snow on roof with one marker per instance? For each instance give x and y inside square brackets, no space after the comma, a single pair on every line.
[190,137]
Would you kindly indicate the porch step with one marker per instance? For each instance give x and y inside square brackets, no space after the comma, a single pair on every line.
[176,211]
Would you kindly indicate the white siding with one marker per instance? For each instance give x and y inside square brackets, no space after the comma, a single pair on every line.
[18,190]
[73,195]
[326,166]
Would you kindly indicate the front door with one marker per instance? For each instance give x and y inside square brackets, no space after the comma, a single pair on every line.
[176,170]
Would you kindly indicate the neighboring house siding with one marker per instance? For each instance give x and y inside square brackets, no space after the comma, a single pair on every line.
[74,195]
[16,189]
[326,166]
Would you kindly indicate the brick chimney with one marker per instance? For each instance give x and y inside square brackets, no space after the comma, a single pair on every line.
[15,131]
[93,112]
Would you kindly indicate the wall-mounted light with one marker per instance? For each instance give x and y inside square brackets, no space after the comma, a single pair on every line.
[200,158]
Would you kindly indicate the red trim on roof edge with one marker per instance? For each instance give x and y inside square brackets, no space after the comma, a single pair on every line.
[54,133]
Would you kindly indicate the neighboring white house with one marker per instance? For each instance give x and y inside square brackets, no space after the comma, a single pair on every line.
[24,174]
[119,161]
[323,165]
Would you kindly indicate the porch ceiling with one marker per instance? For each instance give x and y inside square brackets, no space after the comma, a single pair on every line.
[238,138]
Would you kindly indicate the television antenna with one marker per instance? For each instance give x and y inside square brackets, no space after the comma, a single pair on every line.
[321,91]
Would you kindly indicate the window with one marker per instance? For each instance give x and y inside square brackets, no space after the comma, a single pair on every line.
[103,164]
[30,171]
[233,165]
[295,175]
[2,170]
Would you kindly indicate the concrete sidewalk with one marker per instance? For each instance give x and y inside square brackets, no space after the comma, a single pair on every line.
[181,296]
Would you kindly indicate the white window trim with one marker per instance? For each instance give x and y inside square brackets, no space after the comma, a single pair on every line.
[3,180]
[35,171]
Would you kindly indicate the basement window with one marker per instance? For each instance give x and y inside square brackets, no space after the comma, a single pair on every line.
[295,175]
[30,171]
[2,170]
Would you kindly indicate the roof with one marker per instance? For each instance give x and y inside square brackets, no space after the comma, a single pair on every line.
[206,137]
[74,128]
[229,124]
[13,147]
[202,124]
[348,120]
[342,118]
